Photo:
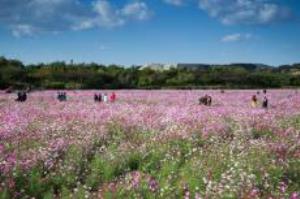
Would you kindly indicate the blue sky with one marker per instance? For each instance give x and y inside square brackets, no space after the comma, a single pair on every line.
[144,31]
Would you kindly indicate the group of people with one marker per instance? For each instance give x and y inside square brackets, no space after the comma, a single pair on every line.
[104,97]
[265,101]
[62,96]
[21,96]
[206,100]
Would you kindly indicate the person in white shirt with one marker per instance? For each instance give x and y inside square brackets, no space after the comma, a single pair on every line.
[105,98]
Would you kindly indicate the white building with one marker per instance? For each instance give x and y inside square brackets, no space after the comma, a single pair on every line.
[158,66]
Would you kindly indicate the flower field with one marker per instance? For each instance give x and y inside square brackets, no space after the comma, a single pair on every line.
[150,144]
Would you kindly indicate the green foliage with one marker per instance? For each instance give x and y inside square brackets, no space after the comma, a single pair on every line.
[59,75]
[54,85]
[268,79]
[35,185]
[257,134]
[293,174]
[48,195]
[11,73]
[4,194]
[66,193]
[96,173]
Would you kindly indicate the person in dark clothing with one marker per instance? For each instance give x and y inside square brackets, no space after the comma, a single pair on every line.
[62,96]
[265,103]
[19,96]
[22,96]
[96,98]
[206,100]
[59,96]
[202,100]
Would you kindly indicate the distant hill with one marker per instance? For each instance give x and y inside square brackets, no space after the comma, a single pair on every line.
[246,66]
[251,67]
[290,67]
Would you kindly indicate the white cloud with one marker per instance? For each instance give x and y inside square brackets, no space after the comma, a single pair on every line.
[245,11]
[136,10]
[108,16]
[27,17]
[22,30]
[175,2]
[236,37]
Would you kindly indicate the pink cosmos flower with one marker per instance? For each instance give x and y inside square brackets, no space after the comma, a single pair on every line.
[295,195]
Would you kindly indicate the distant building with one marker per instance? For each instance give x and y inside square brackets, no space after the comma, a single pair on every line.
[158,67]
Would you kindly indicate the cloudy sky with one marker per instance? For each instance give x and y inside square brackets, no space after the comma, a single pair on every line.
[142,31]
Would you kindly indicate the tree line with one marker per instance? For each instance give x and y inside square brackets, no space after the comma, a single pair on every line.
[60,75]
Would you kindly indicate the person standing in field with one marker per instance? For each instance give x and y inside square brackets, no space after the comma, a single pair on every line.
[19,94]
[254,101]
[19,98]
[265,91]
[206,100]
[113,97]
[265,102]
[96,98]
[62,96]
[105,98]
[209,100]
[22,96]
